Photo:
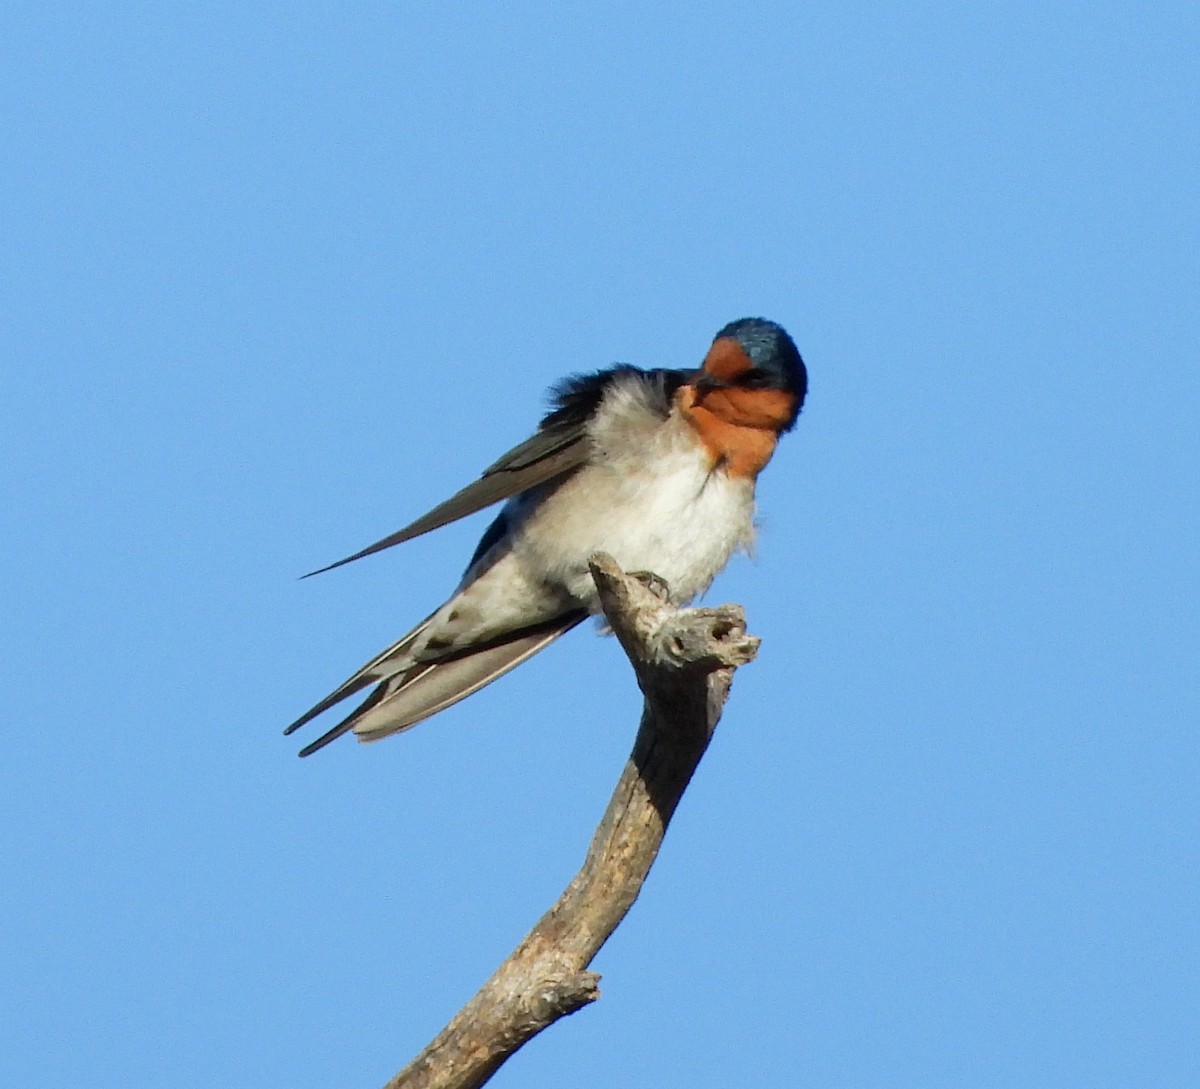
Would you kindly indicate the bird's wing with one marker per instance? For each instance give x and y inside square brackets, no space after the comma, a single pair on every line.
[375,670]
[553,451]
[559,446]
[409,697]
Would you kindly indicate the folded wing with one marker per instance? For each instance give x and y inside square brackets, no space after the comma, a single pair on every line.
[410,695]
[552,452]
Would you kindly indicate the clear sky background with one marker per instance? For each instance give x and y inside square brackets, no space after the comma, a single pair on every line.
[277,278]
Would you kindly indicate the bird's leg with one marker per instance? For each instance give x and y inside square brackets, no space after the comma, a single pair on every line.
[656,584]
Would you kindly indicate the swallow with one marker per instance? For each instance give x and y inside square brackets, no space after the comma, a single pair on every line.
[655,467]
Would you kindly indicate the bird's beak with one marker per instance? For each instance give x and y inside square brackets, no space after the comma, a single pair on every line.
[705,383]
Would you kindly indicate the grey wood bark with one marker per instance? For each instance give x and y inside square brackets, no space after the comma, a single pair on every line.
[684,660]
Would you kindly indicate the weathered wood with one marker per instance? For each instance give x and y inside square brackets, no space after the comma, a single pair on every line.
[684,660]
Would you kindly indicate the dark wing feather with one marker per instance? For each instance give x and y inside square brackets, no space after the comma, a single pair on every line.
[551,452]
[409,697]
[560,446]
[375,670]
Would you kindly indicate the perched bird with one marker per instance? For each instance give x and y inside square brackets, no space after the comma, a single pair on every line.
[655,467]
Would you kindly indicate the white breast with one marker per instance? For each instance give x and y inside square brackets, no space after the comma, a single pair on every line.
[649,498]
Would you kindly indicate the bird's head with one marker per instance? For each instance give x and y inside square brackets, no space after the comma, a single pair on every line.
[753,376]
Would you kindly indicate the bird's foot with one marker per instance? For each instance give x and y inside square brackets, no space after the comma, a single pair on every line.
[656,584]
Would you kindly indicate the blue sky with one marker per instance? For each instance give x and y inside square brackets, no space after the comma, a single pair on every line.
[278,278]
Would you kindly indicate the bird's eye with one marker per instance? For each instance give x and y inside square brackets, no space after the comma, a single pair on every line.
[754,378]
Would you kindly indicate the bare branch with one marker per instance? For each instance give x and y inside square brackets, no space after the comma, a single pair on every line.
[684,660]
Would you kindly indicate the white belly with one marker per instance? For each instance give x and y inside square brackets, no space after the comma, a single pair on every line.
[657,509]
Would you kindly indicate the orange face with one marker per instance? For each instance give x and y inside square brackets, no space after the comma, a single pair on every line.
[727,360]
[738,424]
